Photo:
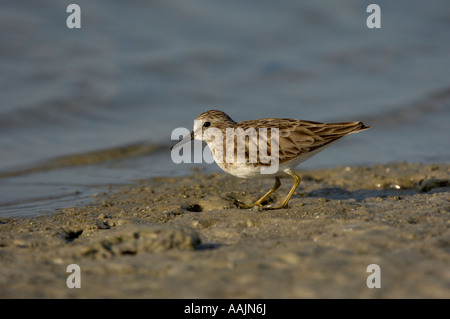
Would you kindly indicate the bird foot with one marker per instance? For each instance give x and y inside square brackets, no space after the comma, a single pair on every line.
[261,204]
[246,206]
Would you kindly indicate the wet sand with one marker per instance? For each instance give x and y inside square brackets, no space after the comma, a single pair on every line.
[185,238]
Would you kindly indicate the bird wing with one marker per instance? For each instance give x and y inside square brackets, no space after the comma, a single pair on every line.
[295,137]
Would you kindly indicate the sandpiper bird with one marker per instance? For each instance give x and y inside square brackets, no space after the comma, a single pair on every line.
[295,141]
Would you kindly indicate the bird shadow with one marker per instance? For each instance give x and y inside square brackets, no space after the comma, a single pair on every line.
[337,193]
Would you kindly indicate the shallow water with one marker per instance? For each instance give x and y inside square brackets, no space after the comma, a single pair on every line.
[134,72]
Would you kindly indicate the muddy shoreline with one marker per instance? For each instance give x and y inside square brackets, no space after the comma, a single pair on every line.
[184,237]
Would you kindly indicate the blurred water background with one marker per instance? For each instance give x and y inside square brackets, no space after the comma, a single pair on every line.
[86,110]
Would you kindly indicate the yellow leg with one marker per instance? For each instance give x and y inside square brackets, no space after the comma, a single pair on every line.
[262,199]
[291,192]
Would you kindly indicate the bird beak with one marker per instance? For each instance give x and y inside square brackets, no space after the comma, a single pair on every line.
[185,139]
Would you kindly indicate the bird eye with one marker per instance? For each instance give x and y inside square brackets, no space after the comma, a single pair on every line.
[206,124]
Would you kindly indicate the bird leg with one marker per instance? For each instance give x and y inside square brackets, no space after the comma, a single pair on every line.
[262,199]
[291,192]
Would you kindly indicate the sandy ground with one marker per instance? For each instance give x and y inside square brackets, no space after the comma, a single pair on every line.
[185,238]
